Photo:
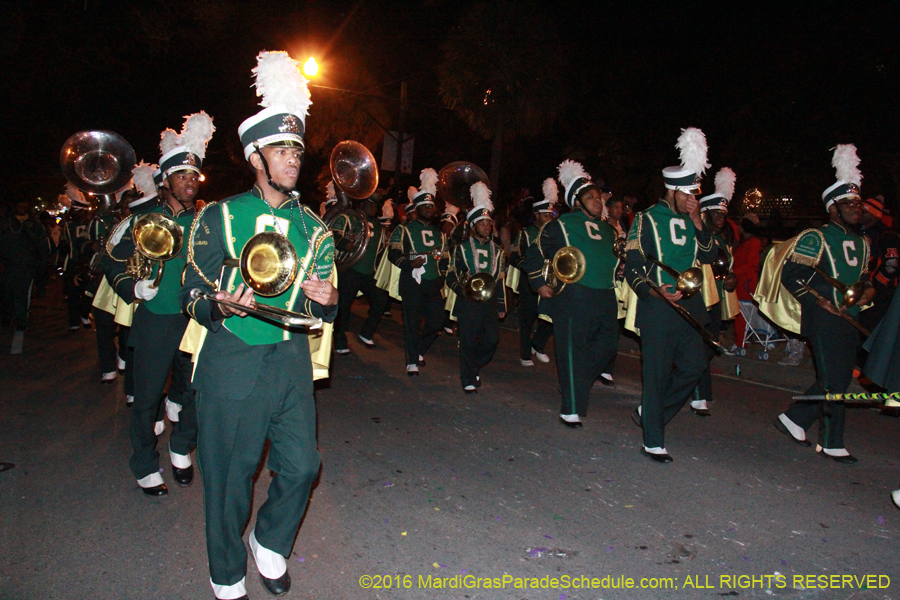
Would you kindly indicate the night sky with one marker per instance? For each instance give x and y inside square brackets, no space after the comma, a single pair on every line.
[773,85]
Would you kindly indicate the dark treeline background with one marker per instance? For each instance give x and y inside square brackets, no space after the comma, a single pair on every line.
[773,85]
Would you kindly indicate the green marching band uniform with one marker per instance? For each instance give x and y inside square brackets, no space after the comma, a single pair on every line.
[104,320]
[584,314]
[360,277]
[528,300]
[479,325]
[420,287]
[253,376]
[159,322]
[720,304]
[79,241]
[838,252]
[673,352]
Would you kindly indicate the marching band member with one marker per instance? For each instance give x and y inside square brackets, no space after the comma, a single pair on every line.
[78,238]
[837,251]
[449,222]
[419,250]
[361,277]
[253,377]
[533,344]
[714,210]
[584,313]
[672,232]
[159,323]
[479,326]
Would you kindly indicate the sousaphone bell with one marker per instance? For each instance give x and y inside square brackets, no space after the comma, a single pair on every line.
[98,163]
[355,176]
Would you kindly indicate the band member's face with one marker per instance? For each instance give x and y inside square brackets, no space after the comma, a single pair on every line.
[716,218]
[447,227]
[541,219]
[681,200]
[284,164]
[614,211]
[850,210]
[185,185]
[483,228]
[592,202]
[425,212]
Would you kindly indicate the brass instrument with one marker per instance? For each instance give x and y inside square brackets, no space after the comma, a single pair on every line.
[456,179]
[683,312]
[851,293]
[721,268]
[355,175]
[98,163]
[862,329]
[436,254]
[263,311]
[268,263]
[479,287]
[157,239]
[568,266]
[688,282]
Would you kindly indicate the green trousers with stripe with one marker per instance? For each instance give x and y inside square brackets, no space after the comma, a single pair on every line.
[587,338]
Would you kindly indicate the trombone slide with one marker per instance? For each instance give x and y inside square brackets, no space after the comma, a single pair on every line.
[844,315]
[685,314]
[263,311]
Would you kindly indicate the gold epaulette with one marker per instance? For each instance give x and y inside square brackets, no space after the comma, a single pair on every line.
[632,245]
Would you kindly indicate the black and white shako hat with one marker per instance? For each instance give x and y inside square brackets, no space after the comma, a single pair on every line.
[687,176]
[551,197]
[286,102]
[428,179]
[76,197]
[725,180]
[482,207]
[574,180]
[186,151]
[450,214]
[846,168]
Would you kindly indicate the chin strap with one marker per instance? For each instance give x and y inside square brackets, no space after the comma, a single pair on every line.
[275,186]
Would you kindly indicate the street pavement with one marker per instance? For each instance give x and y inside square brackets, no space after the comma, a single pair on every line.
[422,485]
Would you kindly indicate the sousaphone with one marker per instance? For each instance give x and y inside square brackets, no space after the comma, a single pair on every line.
[355,175]
[98,163]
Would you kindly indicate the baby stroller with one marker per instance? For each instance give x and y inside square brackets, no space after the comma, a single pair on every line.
[758,330]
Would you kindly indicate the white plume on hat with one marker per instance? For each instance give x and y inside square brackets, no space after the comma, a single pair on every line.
[569,171]
[143,178]
[725,180]
[387,210]
[75,195]
[551,192]
[196,133]
[451,209]
[692,149]
[280,82]
[168,141]
[329,191]
[429,178]
[846,164]
[411,192]
[481,196]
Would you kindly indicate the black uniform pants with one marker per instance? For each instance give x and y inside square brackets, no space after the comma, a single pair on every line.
[16,300]
[232,436]
[77,304]
[833,342]
[479,335]
[350,284]
[105,325]
[704,388]
[421,302]
[587,337]
[674,358]
[528,314]
[154,356]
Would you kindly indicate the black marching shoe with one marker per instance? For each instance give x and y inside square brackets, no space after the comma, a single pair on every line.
[156,490]
[277,587]
[183,477]
[636,417]
[780,427]
[571,424]
[660,458]
[847,459]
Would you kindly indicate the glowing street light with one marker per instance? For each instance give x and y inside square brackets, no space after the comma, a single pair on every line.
[310,67]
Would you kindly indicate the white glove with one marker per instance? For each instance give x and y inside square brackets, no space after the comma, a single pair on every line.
[143,291]
[417,274]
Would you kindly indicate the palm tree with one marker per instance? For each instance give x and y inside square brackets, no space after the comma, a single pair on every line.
[502,70]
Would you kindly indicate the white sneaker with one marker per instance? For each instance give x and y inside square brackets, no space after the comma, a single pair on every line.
[109,377]
[159,428]
[120,364]
[367,341]
[85,322]
[449,330]
[526,363]
[540,356]
[172,410]
[412,370]
[129,401]
[895,496]
[342,351]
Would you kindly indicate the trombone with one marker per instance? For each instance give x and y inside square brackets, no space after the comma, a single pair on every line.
[851,293]
[263,311]
[862,329]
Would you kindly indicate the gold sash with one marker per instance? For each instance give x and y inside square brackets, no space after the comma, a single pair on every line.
[774,301]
